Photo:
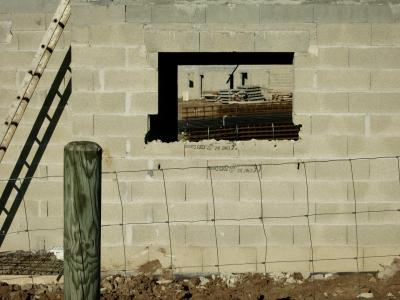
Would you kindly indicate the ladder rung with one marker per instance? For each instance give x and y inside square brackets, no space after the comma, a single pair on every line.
[35,73]
[49,49]
[62,25]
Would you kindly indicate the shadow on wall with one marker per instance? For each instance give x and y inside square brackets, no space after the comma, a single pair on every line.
[9,205]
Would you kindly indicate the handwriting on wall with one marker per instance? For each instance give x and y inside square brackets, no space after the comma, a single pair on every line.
[212,147]
[234,169]
[204,149]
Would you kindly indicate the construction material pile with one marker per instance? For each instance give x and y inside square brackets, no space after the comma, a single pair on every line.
[279,96]
[242,93]
[30,263]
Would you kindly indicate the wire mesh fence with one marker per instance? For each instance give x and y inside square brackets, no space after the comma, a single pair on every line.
[262,213]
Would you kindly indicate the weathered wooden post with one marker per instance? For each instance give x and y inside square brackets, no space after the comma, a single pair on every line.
[82,220]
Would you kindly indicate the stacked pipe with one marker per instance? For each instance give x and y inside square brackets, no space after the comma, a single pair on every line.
[242,93]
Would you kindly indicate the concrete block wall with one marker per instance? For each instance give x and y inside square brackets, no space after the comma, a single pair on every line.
[346,96]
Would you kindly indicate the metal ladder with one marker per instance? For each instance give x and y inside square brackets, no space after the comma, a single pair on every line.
[33,76]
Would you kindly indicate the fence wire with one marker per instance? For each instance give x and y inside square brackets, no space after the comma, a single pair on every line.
[214,221]
[309,228]
[261,219]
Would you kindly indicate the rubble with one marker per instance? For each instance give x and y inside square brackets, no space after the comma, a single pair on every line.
[366,295]
[229,279]
[322,276]
[203,280]
[276,285]
[389,271]
[218,286]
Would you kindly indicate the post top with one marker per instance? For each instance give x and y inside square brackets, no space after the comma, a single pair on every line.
[86,146]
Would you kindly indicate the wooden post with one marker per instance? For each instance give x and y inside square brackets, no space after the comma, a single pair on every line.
[82,220]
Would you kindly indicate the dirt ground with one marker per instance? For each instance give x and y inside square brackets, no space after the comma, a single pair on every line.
[255,286]
[226,286]
[274,286]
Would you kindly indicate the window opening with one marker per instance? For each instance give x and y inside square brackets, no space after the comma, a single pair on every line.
[244,77]
[224,96]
